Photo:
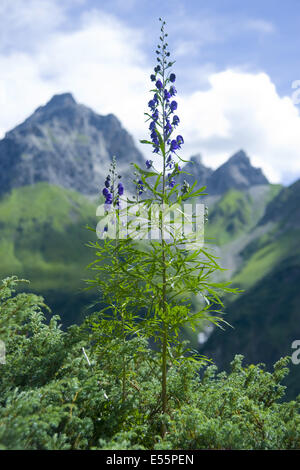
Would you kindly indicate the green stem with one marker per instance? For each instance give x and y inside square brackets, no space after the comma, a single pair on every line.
[124,362]
[164,337]
[114,180]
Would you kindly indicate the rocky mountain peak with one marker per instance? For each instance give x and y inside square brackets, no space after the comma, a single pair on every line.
[239,157]
[61,100]
[196,170]
[197,158]
[236,173]
[67,144]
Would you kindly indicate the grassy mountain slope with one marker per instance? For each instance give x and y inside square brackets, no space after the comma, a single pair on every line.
[233,224]
[43,237]
[237,212]
[265,322]
[278,242]
[266,316]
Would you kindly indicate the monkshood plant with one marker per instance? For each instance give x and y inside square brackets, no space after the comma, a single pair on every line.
[117,321]
[152,259]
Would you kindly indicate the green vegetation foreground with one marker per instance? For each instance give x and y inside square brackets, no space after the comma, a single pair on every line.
[53,396]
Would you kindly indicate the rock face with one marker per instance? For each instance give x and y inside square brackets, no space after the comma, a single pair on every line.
[66,144]
[197,171]
[236,173]
[285,207]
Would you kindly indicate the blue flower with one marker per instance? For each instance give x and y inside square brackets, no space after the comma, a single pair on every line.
[162,105]
[175,121]
[152,126]
[152,105]
[166,94]
[174,145]
[173,105]
[170,162]
[153,136]
[140,187]
[168,128]
[105,192]
[171,181]
[109,198]
[120,189]
[179,140]
[172,91]
[155,115]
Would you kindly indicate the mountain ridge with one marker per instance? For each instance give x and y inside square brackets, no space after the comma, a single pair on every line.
[67,144]
[236,173]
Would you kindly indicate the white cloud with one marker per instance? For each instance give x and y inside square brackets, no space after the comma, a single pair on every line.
[24,24]
[214,29]
[102,63]
[243,110]
[259,25]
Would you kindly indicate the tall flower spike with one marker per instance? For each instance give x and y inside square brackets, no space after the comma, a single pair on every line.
[112,188]
[161,105]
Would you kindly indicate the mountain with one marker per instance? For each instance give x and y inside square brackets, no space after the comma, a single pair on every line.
[267,266]
[276,239]
[66,144]
[196,170]
[61,154]
[236,173]
[265,321]
[43,238]
[285,207]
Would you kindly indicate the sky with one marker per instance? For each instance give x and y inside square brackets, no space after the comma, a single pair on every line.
[237,68]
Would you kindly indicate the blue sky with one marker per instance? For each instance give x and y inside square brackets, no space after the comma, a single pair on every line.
[235,65]
[256,35]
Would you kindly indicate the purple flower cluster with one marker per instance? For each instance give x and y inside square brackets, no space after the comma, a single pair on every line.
[163,95]
[149,164]
[163,120]
[171,180]
[140,187]
[106,191]
[175,144]
[110,192]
